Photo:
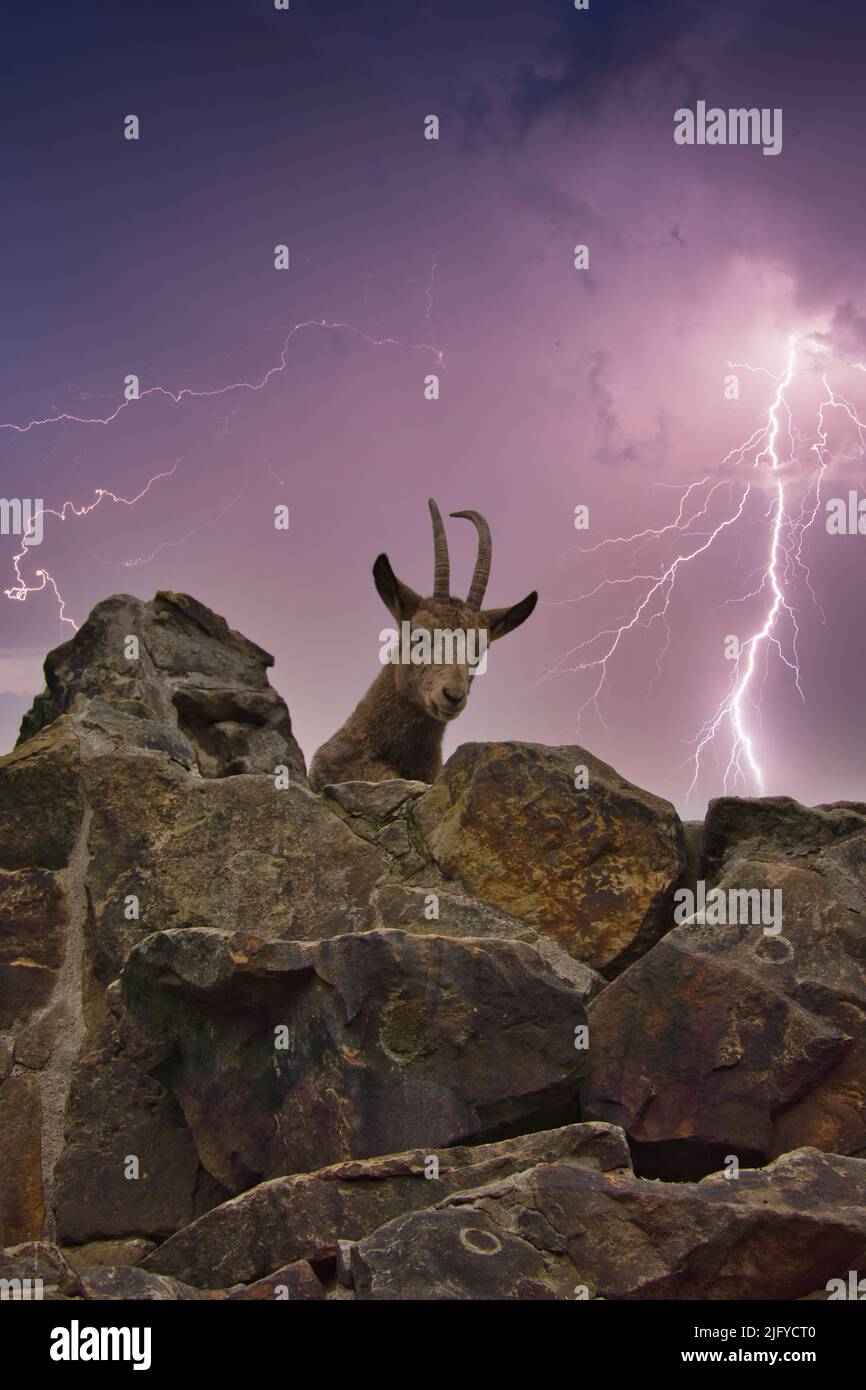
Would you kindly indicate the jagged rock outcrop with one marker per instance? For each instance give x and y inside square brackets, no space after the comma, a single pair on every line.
[560,1231]
[774,827]
[285,1056]
[546,1217]
[306,1215]
[194,688]
[594,869]
[115,824]
[729,1039]
[257,1043]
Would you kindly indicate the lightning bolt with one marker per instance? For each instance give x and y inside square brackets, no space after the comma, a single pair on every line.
[428,293]
[188,393]
[20,590]
[773,449]
[732,708]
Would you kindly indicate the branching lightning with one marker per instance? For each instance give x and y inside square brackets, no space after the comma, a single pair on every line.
[21,590]
[784,462]
[753,484]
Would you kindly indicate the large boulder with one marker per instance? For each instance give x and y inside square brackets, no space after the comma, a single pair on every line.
[286,1056]
[774,827]
[172,664]
[438,912]
[121,810]
[307,1215]
[728,1038]
[563,1231]
[116,1116]
[236,853]
[593,868]
[225,1002]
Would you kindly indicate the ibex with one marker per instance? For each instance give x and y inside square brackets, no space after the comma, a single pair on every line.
[397,729]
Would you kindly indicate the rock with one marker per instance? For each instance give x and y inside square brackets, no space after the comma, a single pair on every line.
[292,1282]
[306,1215]
[36,1037]
[40,1260]
[41,802]
[390,1040]
[34,917]
[406,907]
[117,1115]
[128,1283]
[774,827]
[22,1205]
[226,1001]
[694,1055]
[724,1040]
[378,812]
[193,674]
[594,869]
[344,1263]
[373,801]
[234,853]
[561,1231]
[107,1252]
[123,788]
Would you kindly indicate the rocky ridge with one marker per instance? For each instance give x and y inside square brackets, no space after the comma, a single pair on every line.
[405,1042]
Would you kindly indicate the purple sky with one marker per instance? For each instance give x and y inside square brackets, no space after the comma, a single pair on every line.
[558,387]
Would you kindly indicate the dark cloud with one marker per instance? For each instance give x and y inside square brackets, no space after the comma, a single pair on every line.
[846,336]
[613,447]
[476,111]
[607,47]
[681,50]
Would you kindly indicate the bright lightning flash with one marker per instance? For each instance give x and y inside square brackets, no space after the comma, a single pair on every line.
[773,449]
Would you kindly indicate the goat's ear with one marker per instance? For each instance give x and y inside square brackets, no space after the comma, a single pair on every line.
[398,598]
[502,620]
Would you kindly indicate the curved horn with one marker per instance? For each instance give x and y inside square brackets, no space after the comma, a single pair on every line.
[441,568]
[482,564]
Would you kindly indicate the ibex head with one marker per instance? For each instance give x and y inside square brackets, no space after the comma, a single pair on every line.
[441,688]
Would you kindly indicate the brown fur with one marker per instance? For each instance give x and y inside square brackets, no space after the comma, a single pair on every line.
[396,730]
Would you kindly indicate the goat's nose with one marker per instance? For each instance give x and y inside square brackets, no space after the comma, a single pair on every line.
[453,696]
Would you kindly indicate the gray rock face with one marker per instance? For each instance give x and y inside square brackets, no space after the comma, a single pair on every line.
[192,675]
[285,1056]
[724,1039]
[116,1112]
[126,1283]
[410,908]
[306,1215]
[257,1043]
[236,853]
[295,1282]
[564,1231]
[149,802]
[774,827]
[373,801]
[40,1260]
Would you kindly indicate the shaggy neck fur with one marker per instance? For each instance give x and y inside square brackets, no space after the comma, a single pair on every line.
[396,730]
